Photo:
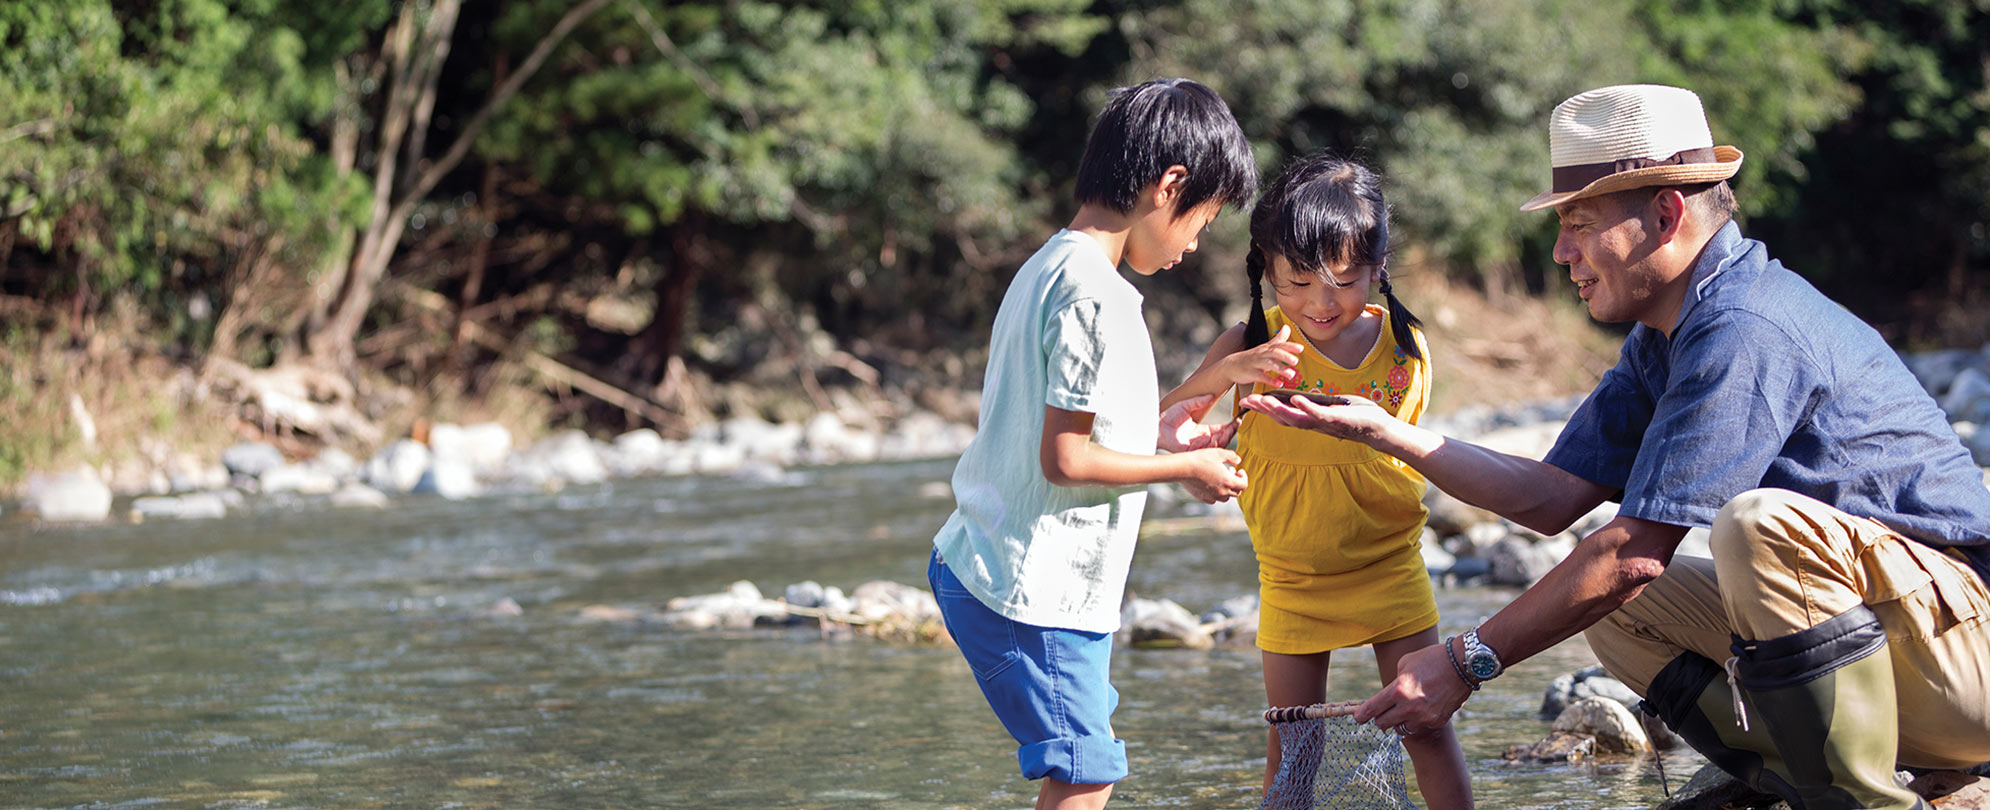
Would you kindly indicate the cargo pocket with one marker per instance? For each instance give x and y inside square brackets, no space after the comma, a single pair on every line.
[1935,590]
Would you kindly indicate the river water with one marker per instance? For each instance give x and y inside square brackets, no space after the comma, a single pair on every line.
[437,654]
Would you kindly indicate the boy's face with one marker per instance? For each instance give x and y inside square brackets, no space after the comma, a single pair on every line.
[1159,239]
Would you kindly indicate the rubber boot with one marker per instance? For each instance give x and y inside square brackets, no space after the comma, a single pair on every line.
[1809,716]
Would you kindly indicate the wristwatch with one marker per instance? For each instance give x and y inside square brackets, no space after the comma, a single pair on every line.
[1480,660]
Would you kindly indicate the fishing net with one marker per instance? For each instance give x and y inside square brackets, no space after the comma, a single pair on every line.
[1326,760]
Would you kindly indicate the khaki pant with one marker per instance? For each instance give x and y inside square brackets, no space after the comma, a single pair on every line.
[1781,564]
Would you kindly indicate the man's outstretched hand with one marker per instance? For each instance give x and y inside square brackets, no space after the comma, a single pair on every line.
[1358,420]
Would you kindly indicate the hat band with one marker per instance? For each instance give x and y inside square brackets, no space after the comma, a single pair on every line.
[1577,178]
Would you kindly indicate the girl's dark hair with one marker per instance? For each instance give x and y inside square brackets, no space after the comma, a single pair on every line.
[1149,127]
[1323,210]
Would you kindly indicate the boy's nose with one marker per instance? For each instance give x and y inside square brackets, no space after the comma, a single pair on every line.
[1192,241]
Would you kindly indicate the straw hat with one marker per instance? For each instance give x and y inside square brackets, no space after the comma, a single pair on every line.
[1631,136]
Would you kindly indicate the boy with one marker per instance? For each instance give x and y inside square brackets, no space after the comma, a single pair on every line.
[1030,568]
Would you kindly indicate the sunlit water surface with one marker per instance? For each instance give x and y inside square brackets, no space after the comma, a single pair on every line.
[299,656]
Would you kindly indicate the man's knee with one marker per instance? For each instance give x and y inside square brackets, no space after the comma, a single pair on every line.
[1747,523]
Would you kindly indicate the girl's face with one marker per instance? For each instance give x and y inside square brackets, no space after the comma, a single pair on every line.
[1323,304]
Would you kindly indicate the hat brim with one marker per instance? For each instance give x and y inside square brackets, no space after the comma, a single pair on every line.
[1727,161]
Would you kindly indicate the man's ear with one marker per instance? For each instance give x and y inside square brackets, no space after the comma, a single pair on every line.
[1669,208]
[1169,187]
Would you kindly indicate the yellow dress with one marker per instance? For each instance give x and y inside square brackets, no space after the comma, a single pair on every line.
[1338,527]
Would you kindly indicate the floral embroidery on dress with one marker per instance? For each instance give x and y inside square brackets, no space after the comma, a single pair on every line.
[1389,392]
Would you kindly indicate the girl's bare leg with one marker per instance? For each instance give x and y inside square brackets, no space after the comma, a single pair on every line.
[1291,680]
[1439,761]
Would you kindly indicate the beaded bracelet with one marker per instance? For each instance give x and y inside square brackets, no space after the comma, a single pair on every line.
[1457,667]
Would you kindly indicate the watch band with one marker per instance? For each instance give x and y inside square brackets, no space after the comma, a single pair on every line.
[1457,667]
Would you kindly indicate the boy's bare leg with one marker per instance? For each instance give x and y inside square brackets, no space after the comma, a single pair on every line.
[1056,795]
[1291,680]
[1439,760]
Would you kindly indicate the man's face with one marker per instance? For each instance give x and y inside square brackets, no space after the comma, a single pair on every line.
[1607,243]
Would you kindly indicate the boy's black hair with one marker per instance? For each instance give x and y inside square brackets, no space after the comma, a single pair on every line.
[1323,210]
[1149,127]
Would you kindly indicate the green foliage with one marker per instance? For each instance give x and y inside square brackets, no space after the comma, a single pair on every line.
[174,134]
[860,161]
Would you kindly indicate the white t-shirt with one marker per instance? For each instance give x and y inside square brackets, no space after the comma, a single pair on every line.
[1069,335]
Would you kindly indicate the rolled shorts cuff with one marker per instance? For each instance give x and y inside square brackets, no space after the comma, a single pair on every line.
[1095,759]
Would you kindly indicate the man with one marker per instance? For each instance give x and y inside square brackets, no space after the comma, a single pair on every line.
[1842,624]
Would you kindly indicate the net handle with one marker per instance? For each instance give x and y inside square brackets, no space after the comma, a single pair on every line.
[1287,714]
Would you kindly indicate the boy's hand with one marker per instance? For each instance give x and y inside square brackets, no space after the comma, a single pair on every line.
[1213,476]
[1274,363]
[1180,432]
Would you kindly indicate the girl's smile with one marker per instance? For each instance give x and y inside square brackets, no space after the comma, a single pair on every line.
[1330,307]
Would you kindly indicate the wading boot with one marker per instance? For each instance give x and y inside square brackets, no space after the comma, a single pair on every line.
[1809,716]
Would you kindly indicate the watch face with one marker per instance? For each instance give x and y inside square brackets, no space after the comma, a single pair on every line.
[1482,666]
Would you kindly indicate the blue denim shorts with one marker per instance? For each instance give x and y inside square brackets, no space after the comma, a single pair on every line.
[1048,686]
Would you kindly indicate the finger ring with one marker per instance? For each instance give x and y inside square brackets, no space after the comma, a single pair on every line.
[1404,730]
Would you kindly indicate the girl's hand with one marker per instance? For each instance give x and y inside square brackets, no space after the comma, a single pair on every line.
[1273,363]
[1359,420]
[1180,432]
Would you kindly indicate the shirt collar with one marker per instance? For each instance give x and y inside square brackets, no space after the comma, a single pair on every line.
[1721,253]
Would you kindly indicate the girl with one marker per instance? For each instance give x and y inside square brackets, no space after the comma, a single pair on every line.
[1336,526]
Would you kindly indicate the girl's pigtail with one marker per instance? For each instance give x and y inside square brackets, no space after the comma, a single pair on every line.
[1400,319]
[1257,331]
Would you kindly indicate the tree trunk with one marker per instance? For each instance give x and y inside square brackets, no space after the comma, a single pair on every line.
[664,337]
[333,343]
[345,154]
[473,282]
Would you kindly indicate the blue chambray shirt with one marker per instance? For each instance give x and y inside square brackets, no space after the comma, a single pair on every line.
[1767,383]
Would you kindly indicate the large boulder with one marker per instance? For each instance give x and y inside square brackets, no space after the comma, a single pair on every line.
[572,457]
[305,479]
[827,439]
[1523,557]
[1162,623]
[398,466]
[251,459]
[449,477]
[739,606]
[1563,690]
[761,440]
[481,448]
[1968,397]
[1936,370]
[884,600]
[1616,730]
[193,505]
[71,496]
[644,452]
[1450,516]
[356,495]
[335,463]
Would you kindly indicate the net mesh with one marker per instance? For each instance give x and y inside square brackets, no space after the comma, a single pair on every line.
[1334,762]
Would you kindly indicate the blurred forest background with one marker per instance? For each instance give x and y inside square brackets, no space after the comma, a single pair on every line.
[327,220]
